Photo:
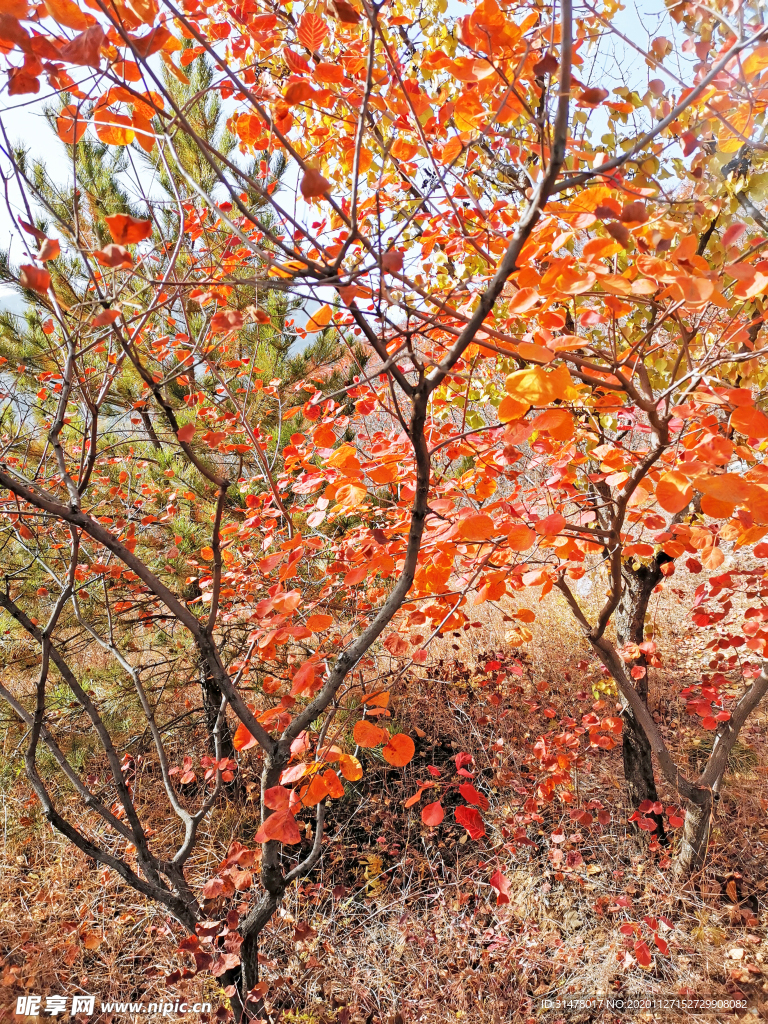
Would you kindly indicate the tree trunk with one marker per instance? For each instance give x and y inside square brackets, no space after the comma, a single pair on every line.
[630,628]
[695,839]
[211,705]
[245,977]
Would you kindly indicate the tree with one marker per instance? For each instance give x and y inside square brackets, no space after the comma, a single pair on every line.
[502,287]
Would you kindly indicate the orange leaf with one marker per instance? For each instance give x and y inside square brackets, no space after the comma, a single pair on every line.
[34,278]
[313,184]
[297,92]
[535,353]
[304,679]
[319,320]
[558,423]
[327,73]
[399,750]
[750,421]
[226,320]
[186,433]
[512,409]
[523,300]
[673,491]
[105,317]
[377,700]
[538,386]
[351,495]
[520,538]
[367,734]
[350,768]
[550,526]
[717,509]
[476,528]
[113,130]
[49,250]
[451,150]
[207,554]
[404,150]
[126,230]
[712,558]
[334,784]
[67,13]
[296,63]
[145,10]
[115,256]
[319,623]
[70,125]
[726,487]
[242,740]
[324,436]
[316,791]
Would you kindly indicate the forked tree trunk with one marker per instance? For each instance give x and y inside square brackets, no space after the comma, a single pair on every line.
[638,585]
[695,838]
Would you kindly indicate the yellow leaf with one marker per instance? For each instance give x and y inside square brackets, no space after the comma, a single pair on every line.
[756,62]
[537,386]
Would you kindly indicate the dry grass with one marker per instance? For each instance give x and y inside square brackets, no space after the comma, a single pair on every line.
[402,917]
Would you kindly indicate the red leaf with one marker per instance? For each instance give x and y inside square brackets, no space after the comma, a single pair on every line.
[392,262]
[501,885]
[227,320]
[277,798]
[433,814]
[280,826]
[472,796]
[84,48]
[471,820]
[313,184]
[312,31]
[643,954]
[212,888]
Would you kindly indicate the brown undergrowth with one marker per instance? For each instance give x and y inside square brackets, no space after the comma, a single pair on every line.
[399,922]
